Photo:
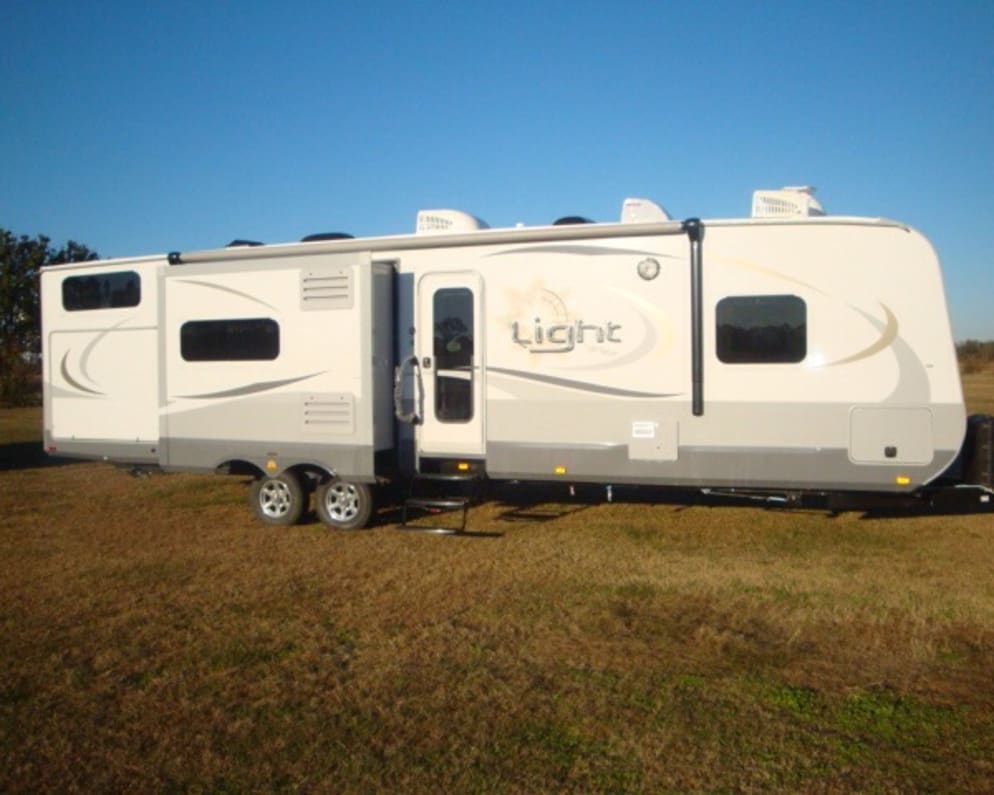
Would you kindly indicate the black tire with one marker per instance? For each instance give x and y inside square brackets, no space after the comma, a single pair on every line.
[278,501]
[343,505]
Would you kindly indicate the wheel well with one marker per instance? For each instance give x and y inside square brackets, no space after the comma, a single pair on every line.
[311,475]
[244,468]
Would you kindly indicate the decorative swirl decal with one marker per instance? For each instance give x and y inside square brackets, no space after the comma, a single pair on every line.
[64,369]
[239,293]
[887,336]
[84,359]
[582,386]
[250,389]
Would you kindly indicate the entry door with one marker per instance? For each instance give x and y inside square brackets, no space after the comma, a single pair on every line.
[449,331]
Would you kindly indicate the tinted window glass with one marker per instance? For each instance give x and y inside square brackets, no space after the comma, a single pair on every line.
[453,348]
[761,329]
[101,291]
[233,340]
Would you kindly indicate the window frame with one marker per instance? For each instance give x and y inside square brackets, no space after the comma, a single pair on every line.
[224,344]
[780,346]
[108,292]
[444,383]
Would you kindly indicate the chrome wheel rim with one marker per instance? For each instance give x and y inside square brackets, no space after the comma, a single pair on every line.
[342,502]
[275,499]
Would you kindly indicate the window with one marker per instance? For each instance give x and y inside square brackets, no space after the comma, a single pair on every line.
[233,340]
[453,348]
[761,329]
[101,291]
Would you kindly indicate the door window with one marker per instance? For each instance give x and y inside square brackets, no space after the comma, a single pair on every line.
[452,309]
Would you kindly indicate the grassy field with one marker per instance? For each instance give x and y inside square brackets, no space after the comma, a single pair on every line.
[154,638]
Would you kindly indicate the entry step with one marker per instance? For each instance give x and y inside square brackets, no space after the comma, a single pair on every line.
[446,477]
[441,492]
[430,504]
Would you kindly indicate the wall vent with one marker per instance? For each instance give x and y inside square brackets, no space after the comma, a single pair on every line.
[329,413]
[328,288]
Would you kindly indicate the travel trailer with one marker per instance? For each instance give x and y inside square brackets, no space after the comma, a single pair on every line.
[788,352]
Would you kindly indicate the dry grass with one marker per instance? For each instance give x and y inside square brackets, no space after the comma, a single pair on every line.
[153,638]
[978,386]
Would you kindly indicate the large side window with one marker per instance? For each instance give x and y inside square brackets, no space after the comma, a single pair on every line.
[230,340]
[453,348]
[101,291]
[762,329]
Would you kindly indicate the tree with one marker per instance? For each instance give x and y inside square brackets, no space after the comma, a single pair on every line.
[20,311]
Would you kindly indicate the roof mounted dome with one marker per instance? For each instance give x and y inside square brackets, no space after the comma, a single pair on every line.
[440,222]
[642,211]
[792,201]
[326,236]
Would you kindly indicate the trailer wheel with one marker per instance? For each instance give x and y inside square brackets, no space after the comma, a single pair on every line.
[344,505]
[278,500]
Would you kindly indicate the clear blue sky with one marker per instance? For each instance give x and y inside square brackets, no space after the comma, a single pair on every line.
[144,127]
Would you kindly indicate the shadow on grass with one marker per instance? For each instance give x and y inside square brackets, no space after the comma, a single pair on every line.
[538,502]
[390,515]
[28,455]
[533,513]
[969,502]
[548,501]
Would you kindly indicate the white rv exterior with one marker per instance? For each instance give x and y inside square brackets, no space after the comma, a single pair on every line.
[793,350]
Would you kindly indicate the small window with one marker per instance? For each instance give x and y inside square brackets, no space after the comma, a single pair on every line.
[233,340]
[453,349]
[101,291]
[761,329]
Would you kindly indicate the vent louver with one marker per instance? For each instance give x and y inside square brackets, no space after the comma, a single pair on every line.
[329,414]
[326,289]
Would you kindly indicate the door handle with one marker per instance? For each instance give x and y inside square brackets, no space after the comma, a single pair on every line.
[412,417]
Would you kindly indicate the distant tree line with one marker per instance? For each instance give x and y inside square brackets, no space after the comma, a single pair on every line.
[21,258]
[975,356]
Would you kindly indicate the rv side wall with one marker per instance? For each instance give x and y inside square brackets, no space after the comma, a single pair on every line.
[276,363]
[100,331]
[828,358]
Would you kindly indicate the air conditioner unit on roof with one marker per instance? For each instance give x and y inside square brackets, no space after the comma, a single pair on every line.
[434,222]
[788,202]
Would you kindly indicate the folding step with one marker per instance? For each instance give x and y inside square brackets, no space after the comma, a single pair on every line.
[429,494]
[438,505]
[446,477]
[434,506]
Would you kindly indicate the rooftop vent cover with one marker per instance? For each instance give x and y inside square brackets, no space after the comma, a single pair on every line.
[642,211]
[440,222]
[326,236]
[789,202]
